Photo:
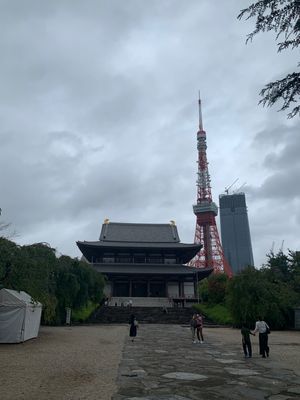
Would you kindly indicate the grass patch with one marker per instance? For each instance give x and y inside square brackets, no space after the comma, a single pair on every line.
[83,313]
[215,312]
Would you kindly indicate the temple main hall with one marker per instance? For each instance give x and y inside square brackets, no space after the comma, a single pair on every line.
[144,264]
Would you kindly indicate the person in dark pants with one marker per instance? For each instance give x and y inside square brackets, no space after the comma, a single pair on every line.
[199,327]
[246,342]
[133,327]
[263,328]
[193,324]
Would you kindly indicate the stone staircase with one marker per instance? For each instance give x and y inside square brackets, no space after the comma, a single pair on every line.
[144,315]
[140,301]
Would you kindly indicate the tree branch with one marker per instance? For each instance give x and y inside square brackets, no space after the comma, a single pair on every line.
[283,17]
[287,89]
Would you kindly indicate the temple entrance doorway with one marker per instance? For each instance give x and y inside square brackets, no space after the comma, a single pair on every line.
[121,289]
[139,289]
[157,289]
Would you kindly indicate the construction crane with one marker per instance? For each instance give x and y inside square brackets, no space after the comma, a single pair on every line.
[227,188]
[272,248]
[281,248]
[239,189]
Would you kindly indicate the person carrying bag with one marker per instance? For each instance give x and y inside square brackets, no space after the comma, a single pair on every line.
[263,328]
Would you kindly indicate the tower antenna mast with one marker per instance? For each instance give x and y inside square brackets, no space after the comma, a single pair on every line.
[211,254]
[200,114]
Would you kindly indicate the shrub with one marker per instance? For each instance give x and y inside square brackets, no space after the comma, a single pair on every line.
[217,313]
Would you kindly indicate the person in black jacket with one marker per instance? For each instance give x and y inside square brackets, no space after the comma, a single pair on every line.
[133,327]
[246,342]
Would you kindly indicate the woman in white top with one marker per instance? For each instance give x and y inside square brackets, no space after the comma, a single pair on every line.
[262,327]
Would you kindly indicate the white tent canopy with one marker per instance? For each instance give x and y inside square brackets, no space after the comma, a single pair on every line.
[20,316]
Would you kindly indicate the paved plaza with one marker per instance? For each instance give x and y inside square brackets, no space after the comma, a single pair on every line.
[99,362]
[164,364]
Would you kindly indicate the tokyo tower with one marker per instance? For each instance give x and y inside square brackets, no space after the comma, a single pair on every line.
[211,254]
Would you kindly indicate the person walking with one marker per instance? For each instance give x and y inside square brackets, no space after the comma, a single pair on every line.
[246,342]
[133,327]
[193,324]
[263,328]
[199,328]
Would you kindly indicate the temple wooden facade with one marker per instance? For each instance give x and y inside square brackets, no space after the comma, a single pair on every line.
[144,261]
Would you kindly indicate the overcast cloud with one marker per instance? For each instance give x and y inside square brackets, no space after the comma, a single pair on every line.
[99,118]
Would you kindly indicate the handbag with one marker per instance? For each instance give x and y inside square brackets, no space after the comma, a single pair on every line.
[267,330]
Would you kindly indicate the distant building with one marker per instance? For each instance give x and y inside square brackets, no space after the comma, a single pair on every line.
[144,261]
[235,231]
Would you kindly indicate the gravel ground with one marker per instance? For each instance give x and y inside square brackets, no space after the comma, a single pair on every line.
[63,363]
[82,362]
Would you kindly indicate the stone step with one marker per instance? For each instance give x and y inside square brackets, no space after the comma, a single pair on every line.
[150,302]
[144,315]
[140,301]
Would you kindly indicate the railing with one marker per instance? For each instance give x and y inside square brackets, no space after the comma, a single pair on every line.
[168,302]
[130,260]
[139,302]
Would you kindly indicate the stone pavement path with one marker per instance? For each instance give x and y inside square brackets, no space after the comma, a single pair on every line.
[164,364]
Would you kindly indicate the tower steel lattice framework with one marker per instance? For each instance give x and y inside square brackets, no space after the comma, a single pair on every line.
[211,254]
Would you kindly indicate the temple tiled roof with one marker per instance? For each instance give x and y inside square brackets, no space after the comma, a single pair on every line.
[91,250]
[135,238]
[142,245]
[151,269]
[142,233]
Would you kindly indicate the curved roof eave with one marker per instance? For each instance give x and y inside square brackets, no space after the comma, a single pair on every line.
[164,245]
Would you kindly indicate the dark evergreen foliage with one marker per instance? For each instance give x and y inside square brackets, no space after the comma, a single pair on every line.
[56,282]
[282,17]
[272,291]
[213,288]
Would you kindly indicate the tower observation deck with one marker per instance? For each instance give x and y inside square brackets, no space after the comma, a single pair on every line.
[211,254]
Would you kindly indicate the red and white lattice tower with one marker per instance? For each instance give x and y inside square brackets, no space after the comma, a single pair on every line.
[211,254]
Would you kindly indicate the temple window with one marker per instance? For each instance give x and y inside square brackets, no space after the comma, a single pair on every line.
[170,260]
[155,259]
[140,258]
[124,258]
[108,258]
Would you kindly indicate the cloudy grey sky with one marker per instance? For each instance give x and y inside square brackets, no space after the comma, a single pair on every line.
[99,118]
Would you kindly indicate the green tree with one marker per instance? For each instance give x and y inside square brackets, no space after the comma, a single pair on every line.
[251,294]
[294,259]
[282,17]
[213,288]
[34,272]
[278,267]
[203,290]
[8,250]
[77,285]
[284,268]
[3,228]
[56,282]
[284,271]
[217,284]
